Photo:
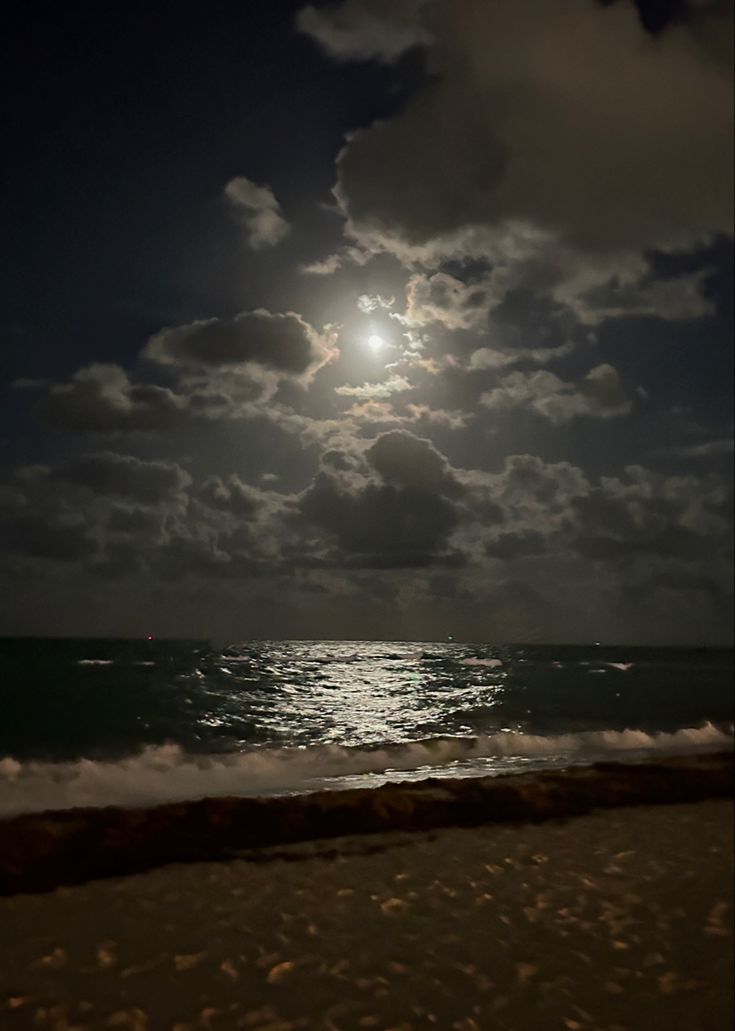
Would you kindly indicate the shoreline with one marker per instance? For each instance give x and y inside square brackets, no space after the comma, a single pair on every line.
[43,851]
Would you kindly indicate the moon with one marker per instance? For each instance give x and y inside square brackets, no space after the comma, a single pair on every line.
[375,342]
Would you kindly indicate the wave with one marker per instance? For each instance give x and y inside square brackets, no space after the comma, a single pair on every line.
[166,773]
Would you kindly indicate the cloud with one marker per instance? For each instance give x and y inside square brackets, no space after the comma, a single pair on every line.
[367,303]
[112,474]
[645,512]
[624,147]
[134,521]
[512,545]
[445,299]
[365,29]
[409,461]
[625,524]
[346,255]
[403,517]
[449,419]
[283,343]
[676,299]
[600,395]
[391,509]
[58,540]
[231,495]
[381,527]
[260,212]
[371,391]
[709,449]
[225,368]
[491,358]
[101,398]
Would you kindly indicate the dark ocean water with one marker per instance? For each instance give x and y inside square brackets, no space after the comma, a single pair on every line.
[96,722]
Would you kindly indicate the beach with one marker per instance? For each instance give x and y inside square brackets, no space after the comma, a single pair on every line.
[615,919]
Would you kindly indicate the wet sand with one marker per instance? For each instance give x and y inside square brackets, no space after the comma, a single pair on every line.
[619,919]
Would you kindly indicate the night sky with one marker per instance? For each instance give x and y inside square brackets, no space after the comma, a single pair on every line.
[379,318]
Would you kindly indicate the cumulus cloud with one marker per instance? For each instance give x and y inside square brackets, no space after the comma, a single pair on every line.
[365,29]
[372,391]
[445,299]
[224,368]
[513,545]
[600,395]
[135,521]
[409,461]
[109,473]
[645,512]
[380,526]
[375,507]
[260,212]
[282,342]
[231,495]
[394,506]
[625,146]
[101,398]
[555,509]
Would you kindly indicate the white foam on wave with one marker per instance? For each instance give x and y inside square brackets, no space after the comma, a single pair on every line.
[165,773]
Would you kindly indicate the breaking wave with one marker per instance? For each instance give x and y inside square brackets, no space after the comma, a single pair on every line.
[166,773]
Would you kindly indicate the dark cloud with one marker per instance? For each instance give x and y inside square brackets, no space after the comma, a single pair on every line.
[125,520]
[224,369]
[643,157]
[149,482]
[33,536]
[284,343]
[650,514]
[517,545]
[231,495]
[100,398]
[393,506]
[381,526]
[405,460]
[402,519]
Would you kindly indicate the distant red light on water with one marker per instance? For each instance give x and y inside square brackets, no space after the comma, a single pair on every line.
[149,637]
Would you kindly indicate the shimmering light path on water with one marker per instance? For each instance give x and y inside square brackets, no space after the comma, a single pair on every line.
[123,719]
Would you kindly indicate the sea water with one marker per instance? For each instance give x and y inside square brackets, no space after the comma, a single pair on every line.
[100,722]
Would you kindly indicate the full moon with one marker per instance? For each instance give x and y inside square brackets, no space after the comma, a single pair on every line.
[375,342]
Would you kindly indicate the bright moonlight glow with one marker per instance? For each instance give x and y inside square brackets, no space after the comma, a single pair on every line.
[375,342]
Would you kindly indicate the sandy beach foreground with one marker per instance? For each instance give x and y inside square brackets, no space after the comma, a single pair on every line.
[614,920]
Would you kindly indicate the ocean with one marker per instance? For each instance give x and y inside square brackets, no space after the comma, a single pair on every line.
[100,722]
